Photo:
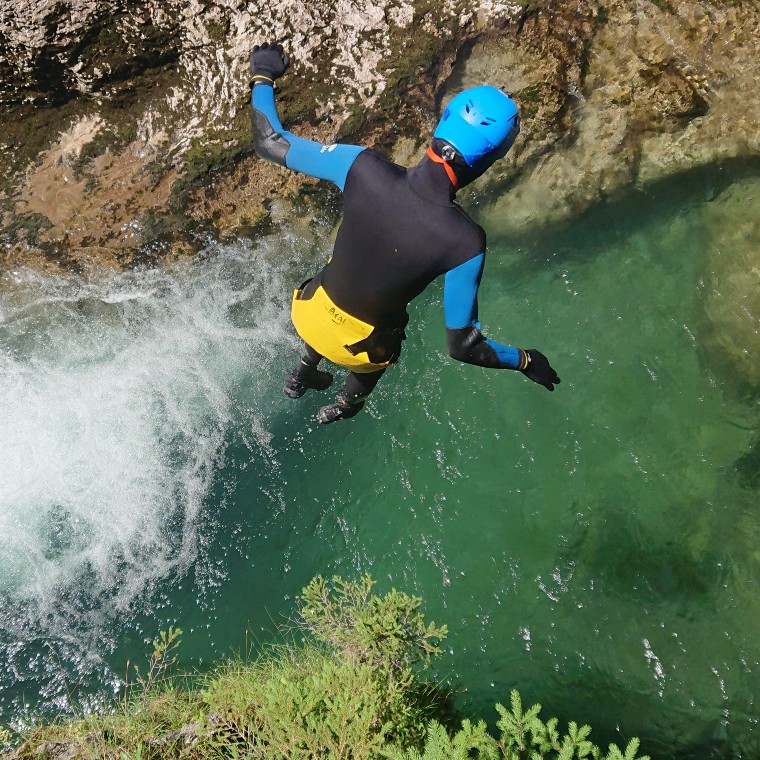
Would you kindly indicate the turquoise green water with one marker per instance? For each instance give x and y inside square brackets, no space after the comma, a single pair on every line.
[595,547]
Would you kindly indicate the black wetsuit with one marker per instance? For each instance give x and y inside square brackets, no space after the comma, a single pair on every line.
[397,236]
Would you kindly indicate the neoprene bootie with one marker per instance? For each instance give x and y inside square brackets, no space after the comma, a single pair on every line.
[340,410]
[306,377]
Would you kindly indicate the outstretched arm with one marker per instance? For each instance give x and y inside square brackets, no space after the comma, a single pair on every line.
[274,143]
[465,341]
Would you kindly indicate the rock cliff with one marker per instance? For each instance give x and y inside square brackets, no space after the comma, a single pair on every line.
[126,133]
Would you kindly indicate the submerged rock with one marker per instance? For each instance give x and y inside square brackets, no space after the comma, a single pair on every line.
[730,338]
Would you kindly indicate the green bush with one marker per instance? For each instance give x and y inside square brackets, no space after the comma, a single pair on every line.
[305,703]
[350,690]
[524,736]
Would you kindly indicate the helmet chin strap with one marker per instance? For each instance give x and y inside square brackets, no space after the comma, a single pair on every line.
[446,165]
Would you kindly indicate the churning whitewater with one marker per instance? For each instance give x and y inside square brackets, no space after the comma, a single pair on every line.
[118,394]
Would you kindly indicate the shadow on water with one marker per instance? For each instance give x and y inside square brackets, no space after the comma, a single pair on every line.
[672,575]
[694,577]
[612,221]
[628,558]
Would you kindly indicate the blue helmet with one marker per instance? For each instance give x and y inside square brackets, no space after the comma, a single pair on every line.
[479,121]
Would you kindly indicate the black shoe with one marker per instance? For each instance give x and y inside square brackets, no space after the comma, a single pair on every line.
[305,377]
[340,410]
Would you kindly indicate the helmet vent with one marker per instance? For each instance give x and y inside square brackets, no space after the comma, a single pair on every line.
[488,121]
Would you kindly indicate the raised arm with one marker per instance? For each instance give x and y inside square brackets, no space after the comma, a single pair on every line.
[464,339]
[274,143]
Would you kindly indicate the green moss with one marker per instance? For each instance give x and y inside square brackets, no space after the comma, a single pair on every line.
[530,100]
[748,467]
[218,31]
[113,138]
[412,57]
[155,170]
[29,131]
[208,155]
[129,54]
[23,228]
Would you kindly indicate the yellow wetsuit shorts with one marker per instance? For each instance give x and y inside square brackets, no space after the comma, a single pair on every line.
[331,331]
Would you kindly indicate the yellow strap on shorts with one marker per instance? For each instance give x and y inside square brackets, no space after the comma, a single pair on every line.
[328,330]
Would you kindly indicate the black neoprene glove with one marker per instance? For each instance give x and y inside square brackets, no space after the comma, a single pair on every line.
[539,370]
[268,62]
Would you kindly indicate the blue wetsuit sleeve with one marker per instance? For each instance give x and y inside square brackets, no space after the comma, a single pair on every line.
[460,304]
[274,143]
[460,293]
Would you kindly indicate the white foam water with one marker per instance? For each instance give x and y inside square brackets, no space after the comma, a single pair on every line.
[118,394]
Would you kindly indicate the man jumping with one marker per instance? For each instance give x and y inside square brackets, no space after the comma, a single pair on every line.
[400,231]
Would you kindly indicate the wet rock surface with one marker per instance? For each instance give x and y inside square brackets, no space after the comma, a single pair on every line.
[127,122]
[658,89]
[127,135]
[730,337]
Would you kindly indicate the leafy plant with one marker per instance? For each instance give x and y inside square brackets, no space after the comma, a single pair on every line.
[385,631]
[440,746]
[303,703]
[351,689]
[161,660]
[524,736]
[5,737]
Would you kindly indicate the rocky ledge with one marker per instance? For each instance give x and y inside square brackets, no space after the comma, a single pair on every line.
[127,122]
